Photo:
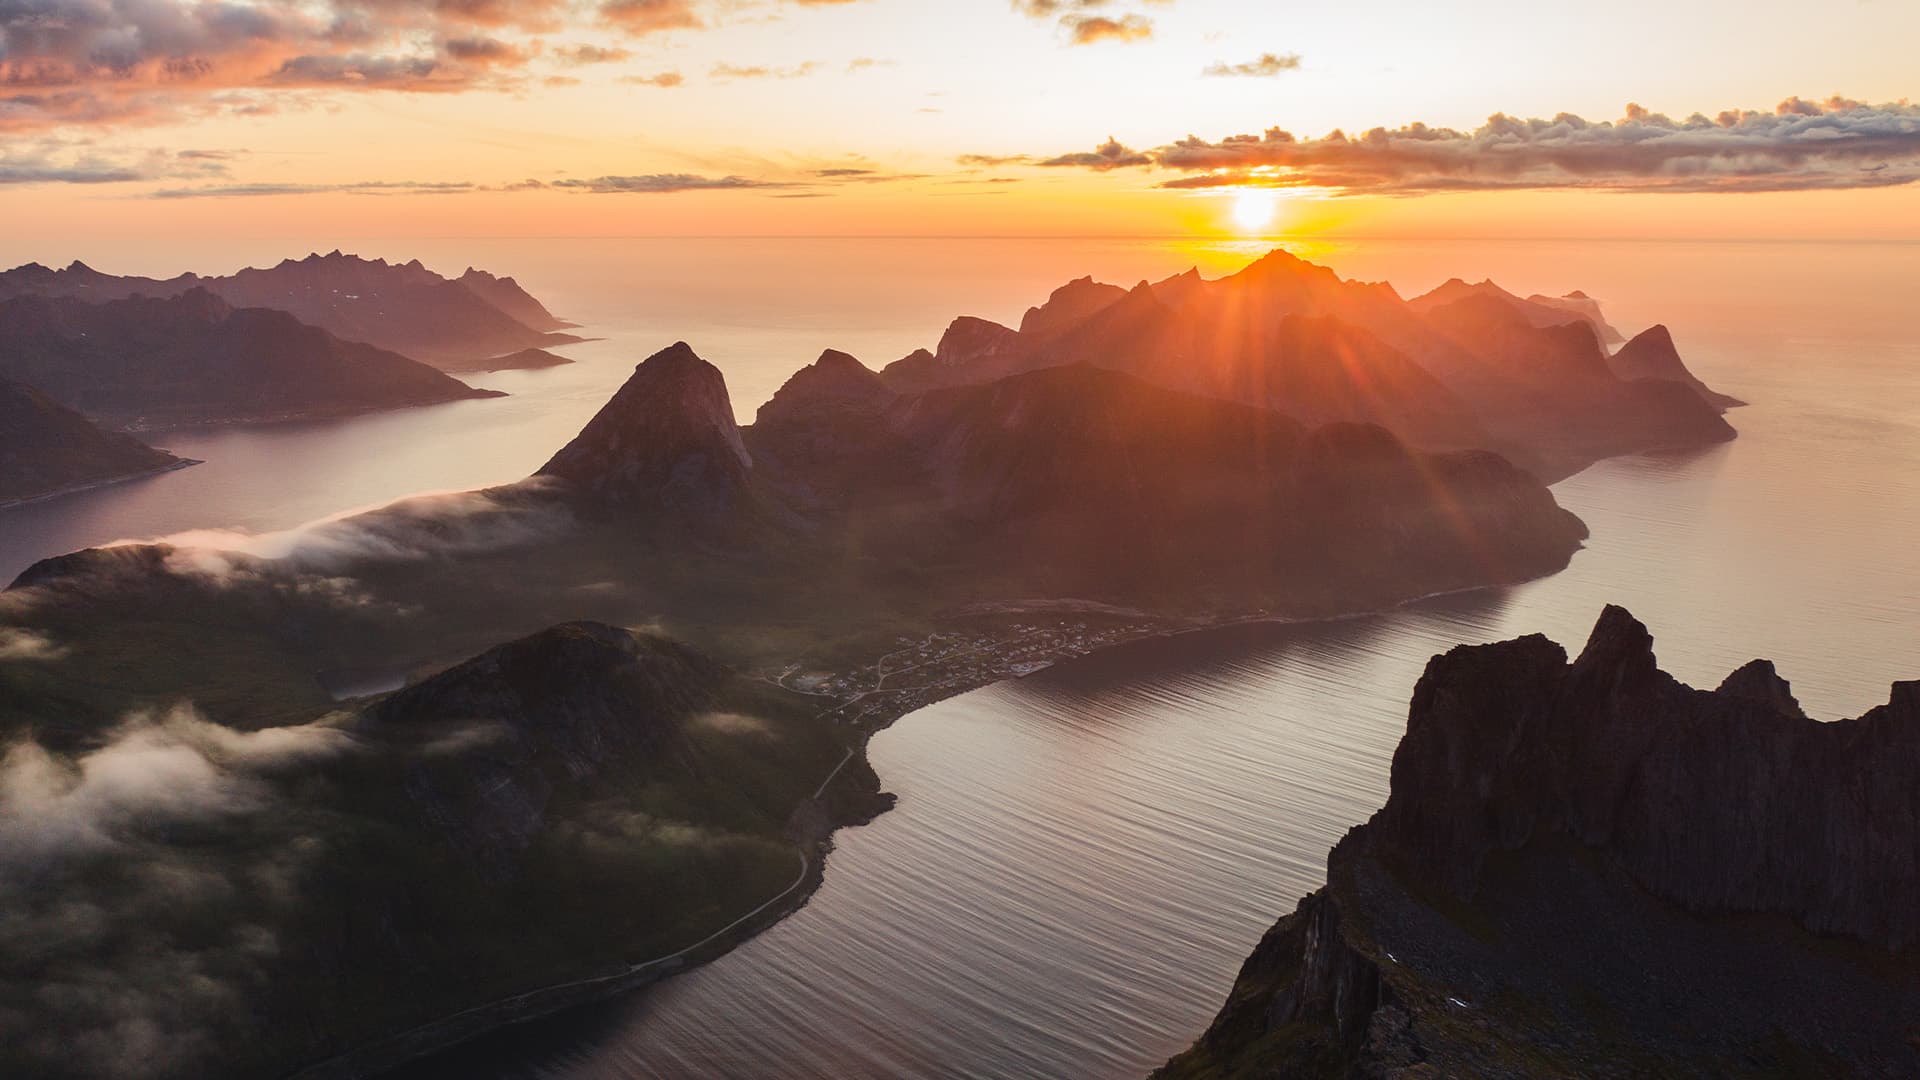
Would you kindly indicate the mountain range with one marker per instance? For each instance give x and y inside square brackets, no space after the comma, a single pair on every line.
[194,358]
[457,324]
[1464,366]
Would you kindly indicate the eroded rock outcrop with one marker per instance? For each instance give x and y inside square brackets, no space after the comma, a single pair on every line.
[1589,868]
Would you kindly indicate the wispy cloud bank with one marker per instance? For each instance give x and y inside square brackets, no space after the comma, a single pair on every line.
[1266,66]
[1798,145]
[663,183]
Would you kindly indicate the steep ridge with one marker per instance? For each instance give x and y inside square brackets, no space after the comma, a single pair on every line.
[402,307]
[1651,355]
[194,358]
[667,439]
[1590,868]
[507,295]
[1069,305]
[46,448]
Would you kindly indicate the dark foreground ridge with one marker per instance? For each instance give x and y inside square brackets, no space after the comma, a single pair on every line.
[1591,869]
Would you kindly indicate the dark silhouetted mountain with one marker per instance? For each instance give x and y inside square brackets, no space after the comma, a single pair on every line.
[1591,869]
[401,307]
[1022,478]
[667,439]
[46,448]
[1651,355]
[1465,366]
[1070,305]
[972,350]
[192,358]
[507,295]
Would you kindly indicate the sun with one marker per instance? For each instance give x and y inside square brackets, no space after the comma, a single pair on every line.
[1253,208]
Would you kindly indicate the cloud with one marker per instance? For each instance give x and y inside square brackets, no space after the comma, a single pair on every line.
[369,187]
[582,55]
[863,63]
[57,161]
[664,183]
[1266,67]
[20,645]
[132,940]
[663,79]
[639,17]
[1797,145]
[1108,155]
[735,71]
[1083,28]
[65,62]
[992,160]
[1093,29]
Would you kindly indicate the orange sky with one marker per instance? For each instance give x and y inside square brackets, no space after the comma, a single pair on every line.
[903,117]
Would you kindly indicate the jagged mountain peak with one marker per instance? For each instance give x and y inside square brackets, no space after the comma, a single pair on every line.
[667,438]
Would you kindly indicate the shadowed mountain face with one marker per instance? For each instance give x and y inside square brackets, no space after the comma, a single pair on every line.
[667,440]
[1651,355]
[507,295]
[46,448]
[193,358]
[455,325]
[1589,868]
[1466,366]
[1025,478]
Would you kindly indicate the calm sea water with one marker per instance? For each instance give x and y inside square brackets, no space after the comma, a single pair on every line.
[1081,859]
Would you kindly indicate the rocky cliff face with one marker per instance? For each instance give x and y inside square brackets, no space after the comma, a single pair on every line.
[667,440]
[1589,868]
[1722,801]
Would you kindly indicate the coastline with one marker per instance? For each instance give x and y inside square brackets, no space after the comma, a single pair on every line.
[814,823]
[75,489]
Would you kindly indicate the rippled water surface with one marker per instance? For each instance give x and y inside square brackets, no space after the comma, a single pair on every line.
[1080,860]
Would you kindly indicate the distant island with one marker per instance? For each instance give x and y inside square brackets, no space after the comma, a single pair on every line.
[319,337]
[872,542]
[142,363]
[1590,869]
[455,324]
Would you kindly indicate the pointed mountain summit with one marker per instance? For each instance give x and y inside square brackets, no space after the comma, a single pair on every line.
[667,439]
[1069,305]
[507,295]
[1651,355]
